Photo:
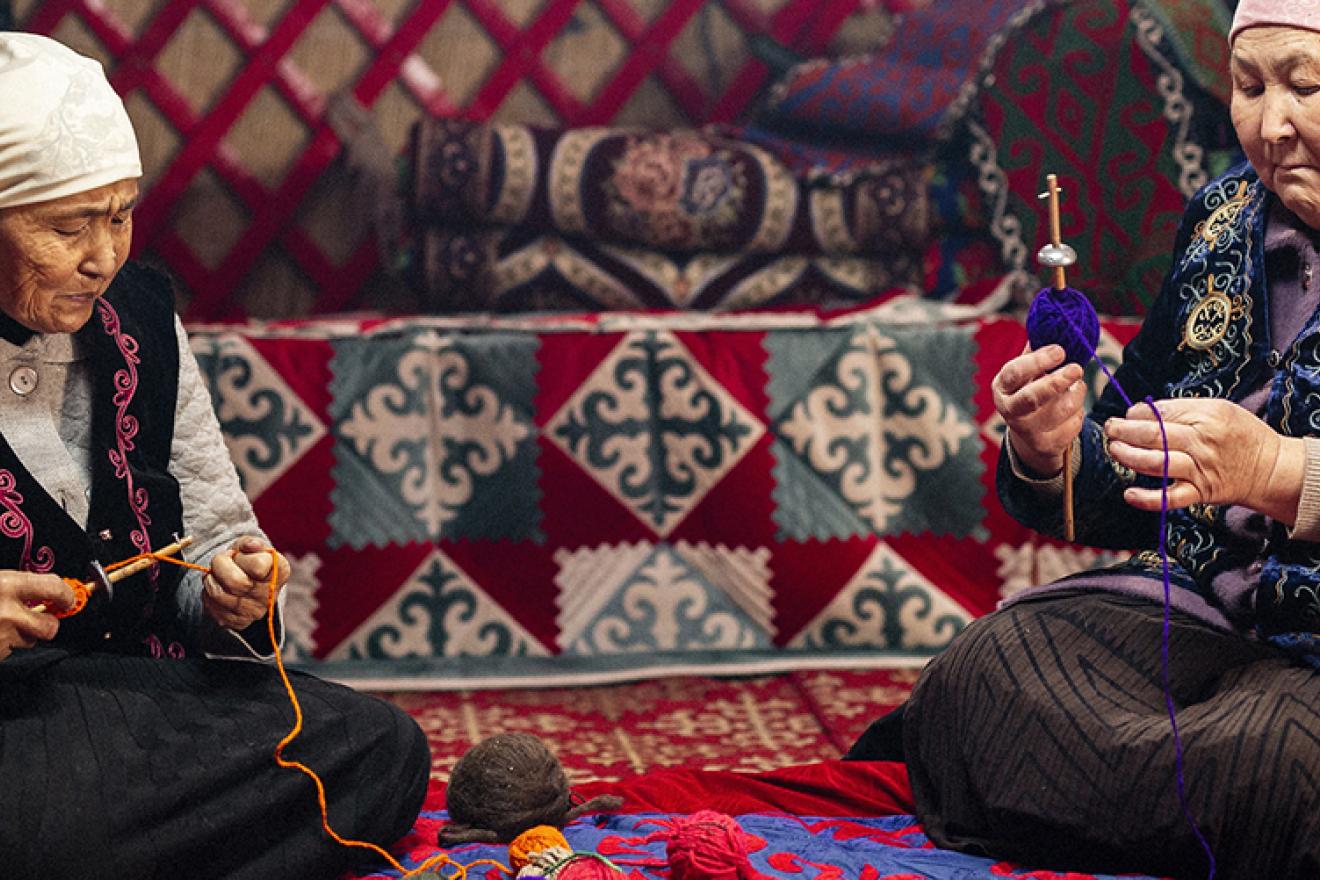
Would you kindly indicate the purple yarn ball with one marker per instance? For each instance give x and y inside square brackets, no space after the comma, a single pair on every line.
[1058,317]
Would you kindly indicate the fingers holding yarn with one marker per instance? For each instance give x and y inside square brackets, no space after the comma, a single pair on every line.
[1225,452]
[1181,494]
[21,624]
[1017,373]
[1043,414]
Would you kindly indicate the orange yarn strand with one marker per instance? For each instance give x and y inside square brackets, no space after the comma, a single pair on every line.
[434,861]
[173,560]
[81,593]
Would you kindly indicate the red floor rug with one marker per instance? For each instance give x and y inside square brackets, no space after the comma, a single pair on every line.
[762,751]
[612,732]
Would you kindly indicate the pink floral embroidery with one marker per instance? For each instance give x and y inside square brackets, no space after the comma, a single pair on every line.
[649,176]
[675,190]
[15,524]
[126,426]
[158,651]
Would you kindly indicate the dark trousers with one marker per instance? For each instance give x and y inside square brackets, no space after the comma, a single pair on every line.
[1041,735]
[125,767]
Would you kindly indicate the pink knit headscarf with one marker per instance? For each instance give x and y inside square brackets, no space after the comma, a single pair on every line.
[1303,14]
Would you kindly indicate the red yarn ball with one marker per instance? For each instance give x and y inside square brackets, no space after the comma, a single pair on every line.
[710,846]
[1067,318]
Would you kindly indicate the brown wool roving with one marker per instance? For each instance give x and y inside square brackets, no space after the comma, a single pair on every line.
[506,784]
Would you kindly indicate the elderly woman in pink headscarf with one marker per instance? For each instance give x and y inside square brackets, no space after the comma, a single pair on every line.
[132,744]
[1043,734]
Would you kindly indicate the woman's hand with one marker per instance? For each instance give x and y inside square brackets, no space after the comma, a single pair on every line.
[1041,403]
[235,592]
[20,592]
[1219,453]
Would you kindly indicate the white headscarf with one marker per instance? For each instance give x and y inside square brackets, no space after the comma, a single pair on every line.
[63,130]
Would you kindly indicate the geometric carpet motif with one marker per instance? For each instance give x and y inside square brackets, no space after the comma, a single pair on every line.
[611,732]
[433,439]
[267,426]
[654,428]
[438,612]
[636,598]
[874,429]
[887,604]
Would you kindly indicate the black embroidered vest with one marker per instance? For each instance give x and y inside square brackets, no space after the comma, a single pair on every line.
[134,505]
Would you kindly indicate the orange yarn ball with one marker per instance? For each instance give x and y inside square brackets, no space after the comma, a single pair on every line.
[533,841]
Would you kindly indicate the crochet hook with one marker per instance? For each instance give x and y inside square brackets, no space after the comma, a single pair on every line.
[118,574]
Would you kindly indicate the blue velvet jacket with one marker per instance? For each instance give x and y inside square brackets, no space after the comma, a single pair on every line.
[1206,335]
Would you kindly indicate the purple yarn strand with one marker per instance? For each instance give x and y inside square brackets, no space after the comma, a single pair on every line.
[1164,557]
[1164,648]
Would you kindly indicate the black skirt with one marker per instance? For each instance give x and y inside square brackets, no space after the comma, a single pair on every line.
[1041,735]
[127,767]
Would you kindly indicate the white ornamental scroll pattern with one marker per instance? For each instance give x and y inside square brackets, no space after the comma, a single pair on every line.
[873,429]
[434,429]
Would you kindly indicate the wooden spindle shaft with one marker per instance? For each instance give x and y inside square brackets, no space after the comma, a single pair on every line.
[132,568]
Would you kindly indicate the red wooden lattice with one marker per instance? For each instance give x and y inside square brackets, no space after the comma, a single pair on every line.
[392,41]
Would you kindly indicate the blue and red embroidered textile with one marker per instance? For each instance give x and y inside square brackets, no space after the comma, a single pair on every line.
[915,87]
[824,821]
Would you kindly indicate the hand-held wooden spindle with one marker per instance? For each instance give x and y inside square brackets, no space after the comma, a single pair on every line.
[1057,256]
[117,573]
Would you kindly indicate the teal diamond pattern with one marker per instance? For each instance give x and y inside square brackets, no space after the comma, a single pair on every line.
[434,439]
[875,427]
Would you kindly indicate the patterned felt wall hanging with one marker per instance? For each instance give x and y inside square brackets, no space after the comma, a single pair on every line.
[614,494]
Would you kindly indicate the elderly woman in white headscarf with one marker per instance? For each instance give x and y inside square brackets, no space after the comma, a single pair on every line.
[128,746]
[1043,734]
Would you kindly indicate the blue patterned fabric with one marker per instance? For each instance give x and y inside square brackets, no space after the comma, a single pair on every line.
[915,88]
[786,848]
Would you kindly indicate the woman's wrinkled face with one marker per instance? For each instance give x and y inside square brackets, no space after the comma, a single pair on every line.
[1276,112]
[57,257]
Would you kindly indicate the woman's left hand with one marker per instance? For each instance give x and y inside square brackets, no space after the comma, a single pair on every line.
[235,593]
[1219,453]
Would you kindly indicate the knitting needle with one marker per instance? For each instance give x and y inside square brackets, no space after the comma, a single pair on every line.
[132,568]
[1061,282]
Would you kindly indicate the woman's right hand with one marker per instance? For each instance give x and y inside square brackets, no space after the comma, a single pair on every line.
[20,592]
[1041,402]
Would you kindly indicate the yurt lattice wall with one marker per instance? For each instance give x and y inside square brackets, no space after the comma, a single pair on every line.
[245,199]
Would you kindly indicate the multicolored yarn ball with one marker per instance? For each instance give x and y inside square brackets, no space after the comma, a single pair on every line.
[533,842]
[709,846]
[542,853]
[1067,318]
[545,864]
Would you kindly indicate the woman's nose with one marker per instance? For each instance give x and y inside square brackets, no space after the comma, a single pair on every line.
[1276,117]
[100,258]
